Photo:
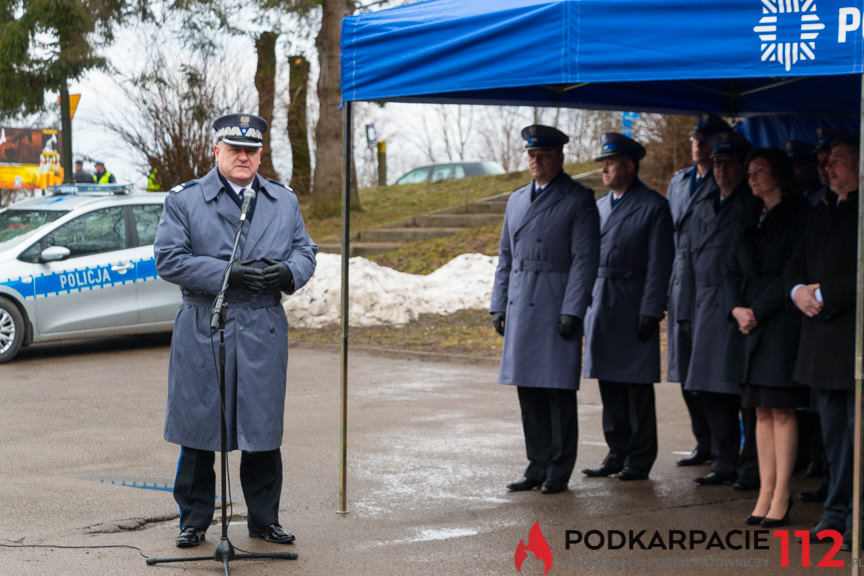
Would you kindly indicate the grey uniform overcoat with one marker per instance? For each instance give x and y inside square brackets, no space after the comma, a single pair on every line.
[713,238]
[547,262]
[192,247]
[636,252]
[681,304]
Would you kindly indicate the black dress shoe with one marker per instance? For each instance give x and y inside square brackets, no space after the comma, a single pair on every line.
[745,485]
[189,537]
[715,479]
[817,495]
[754,520]
[822,525]
[272,533]
[550,487]
[777,522]
[523,484]
[628,474]
[601,472]
[696,458]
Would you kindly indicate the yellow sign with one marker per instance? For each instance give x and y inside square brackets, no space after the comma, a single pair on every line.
[20,176]
[73,103]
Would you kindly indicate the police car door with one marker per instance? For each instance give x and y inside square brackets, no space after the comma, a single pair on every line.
[92,291]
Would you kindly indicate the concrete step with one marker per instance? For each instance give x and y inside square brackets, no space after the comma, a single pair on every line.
[439,220]
[404,234]
[360,248]
[484,207]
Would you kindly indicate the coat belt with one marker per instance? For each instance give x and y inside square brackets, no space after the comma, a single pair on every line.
[241,299]
[618,273]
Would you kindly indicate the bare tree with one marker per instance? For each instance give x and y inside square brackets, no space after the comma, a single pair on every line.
[174,107]
[265,83]
[327,178]
[500,132]
[298,135]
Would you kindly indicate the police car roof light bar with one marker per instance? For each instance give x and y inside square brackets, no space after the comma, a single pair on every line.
[76,189]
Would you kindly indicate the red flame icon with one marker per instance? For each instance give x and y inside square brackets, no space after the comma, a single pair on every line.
[536,544]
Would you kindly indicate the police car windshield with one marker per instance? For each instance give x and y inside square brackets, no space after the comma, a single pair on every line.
[15,223]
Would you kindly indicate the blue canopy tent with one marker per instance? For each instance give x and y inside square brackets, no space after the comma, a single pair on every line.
[743,58]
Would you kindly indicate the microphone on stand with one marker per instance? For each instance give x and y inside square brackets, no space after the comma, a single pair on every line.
[219,302]
[248,196]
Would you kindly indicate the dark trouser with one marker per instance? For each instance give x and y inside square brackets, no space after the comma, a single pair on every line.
[836,417]
[695,403]
[551,426]
[629,425]
[722,416]
[195,487]
[748,461]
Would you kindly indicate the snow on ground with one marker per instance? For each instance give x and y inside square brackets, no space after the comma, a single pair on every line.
[380,295]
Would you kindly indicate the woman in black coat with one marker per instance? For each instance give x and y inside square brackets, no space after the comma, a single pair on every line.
[764,327]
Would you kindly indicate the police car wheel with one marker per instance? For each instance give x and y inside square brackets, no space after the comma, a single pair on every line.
[11,330]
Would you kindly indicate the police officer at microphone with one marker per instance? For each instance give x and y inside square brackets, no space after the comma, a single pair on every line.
[275,255]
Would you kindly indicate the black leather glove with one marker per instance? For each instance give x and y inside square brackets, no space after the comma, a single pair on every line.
[278,276]
[569,326]
[244,275]
[685,332]
[647,327]
[498,322]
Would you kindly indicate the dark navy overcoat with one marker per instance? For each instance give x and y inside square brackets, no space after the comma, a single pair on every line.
[636,252]
[192,247]
[681,289]
[547,262]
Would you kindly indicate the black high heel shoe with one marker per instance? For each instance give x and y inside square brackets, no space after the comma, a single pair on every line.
[754,520]
[777,522]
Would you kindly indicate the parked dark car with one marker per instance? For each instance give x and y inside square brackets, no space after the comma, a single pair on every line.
[448,171]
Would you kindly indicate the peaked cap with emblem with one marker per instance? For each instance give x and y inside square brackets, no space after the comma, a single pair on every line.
[826,135]
[798,150]
[540,137]
[615,144]
[246,130]
[709,125]
[730,144]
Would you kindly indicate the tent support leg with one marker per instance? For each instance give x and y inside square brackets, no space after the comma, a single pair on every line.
[346,253]
[859,361]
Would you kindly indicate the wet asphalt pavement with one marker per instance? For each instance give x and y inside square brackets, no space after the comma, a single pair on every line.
[432,442]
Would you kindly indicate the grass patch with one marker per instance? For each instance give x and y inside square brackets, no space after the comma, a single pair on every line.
[466,332]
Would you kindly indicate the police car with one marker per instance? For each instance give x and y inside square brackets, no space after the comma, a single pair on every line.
[78,262]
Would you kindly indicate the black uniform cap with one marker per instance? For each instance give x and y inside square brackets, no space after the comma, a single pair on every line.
[615,144]
[826,135]
[709,125]
[730,144]
[798,150]
[540,137]
[246,130]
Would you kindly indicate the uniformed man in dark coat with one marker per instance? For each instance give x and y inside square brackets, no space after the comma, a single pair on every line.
[715,221]
[547,262]
[622,340]
[687,187]
[275,255]
[821,278]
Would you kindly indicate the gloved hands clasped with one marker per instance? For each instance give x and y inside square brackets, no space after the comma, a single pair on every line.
[261,276]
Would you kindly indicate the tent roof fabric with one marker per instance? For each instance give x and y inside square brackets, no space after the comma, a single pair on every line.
[738,57]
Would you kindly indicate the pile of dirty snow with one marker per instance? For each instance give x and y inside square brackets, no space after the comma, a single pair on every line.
[380,295]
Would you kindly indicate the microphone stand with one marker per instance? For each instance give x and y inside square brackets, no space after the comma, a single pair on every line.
[224,551]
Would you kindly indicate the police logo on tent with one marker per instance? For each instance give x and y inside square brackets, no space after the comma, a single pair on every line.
[788,31]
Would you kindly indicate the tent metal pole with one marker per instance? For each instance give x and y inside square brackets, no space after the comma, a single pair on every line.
[343,364]
[859,361]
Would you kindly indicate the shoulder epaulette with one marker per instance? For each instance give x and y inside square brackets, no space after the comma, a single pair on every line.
[280,184]
[182,186]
